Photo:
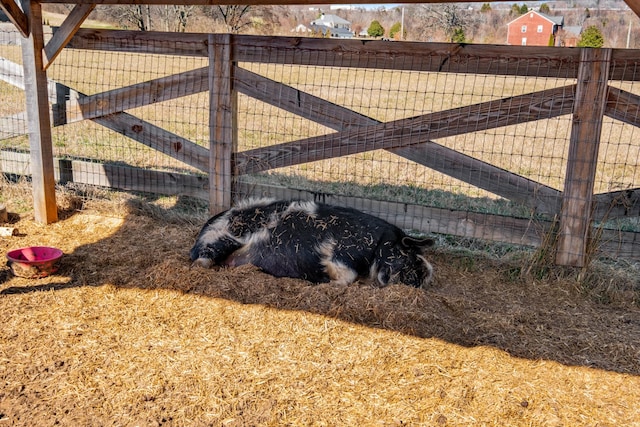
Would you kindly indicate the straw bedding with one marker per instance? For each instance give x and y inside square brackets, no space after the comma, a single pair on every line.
[126,333]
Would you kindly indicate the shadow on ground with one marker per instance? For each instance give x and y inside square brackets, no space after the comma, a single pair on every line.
[474,301]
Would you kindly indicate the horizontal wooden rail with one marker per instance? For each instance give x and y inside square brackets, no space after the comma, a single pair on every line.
[117,176]
[413,138]
[530,61]
[107,107]
[613,243]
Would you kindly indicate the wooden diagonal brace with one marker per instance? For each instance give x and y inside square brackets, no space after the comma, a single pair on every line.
[66,31]
[16,16]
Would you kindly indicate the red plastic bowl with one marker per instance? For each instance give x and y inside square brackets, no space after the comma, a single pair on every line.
[34,261]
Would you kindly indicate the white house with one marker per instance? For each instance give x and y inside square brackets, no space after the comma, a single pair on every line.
[338,27]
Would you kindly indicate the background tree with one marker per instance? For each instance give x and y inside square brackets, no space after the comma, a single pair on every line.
[591,37]
[487,27]
[175,17]
[395,30]
[182,13]
[486,7]
[450,19]
[375,29]
[519,10]
[357,29]
[515,9]
[138,15]
[544,8]
[234,16]
[458,36]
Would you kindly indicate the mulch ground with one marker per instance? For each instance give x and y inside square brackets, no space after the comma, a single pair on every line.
[126,333]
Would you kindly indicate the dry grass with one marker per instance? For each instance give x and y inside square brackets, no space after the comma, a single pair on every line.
[536,150]
[127,334]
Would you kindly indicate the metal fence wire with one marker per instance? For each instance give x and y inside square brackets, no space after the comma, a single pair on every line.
[475,145]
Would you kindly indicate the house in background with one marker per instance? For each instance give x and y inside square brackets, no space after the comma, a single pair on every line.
[534,29]
[332,24]
[569,36]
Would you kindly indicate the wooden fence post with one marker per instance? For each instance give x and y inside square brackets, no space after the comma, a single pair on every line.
[222,122]
[588,111]
[39,122]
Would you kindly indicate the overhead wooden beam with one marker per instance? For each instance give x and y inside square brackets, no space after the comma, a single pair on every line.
[16,16]
[39,122]
[65,32]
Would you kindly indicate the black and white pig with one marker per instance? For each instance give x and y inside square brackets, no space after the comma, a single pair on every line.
[312,241]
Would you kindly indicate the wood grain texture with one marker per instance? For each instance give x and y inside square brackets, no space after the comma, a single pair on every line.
[138,95]
[532,61]
[405,132]
[222,125]
[540,198]
[613,243]
[622,105]
[39,122]
[589,107]
[117,176]
[538,61]
[157,138]
[16,16]
[61,37]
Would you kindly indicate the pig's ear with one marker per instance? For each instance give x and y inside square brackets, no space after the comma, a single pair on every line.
[408,241]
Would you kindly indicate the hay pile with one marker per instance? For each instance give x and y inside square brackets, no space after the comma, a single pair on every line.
[127,334]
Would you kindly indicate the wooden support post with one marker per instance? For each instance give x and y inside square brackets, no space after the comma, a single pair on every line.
[588,111]
[222,122]
[39,122]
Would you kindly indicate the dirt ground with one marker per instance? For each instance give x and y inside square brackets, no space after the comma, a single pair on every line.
[127,334]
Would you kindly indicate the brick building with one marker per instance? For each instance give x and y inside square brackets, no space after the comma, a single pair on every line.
[534,29]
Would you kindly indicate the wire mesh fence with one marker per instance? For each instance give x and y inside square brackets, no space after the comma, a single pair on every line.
[535,150]
[12,107]
[473,145]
